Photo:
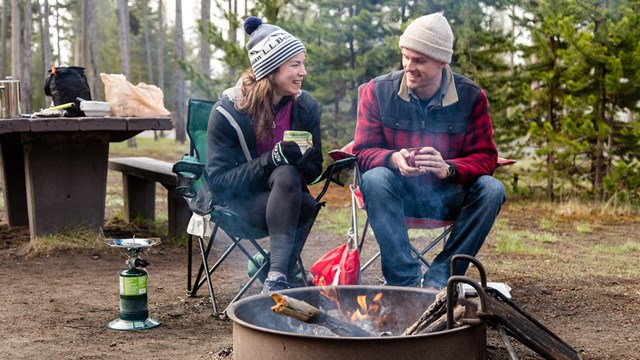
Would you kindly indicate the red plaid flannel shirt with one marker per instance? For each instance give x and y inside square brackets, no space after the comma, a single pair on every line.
[472,153]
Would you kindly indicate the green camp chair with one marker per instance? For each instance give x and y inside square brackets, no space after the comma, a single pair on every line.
[194,187]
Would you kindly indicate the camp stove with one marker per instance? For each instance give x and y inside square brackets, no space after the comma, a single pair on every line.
[134,310]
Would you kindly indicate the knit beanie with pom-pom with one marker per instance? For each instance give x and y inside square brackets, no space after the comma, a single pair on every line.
[269,46]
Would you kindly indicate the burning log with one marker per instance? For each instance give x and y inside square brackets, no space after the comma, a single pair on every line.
[310,314]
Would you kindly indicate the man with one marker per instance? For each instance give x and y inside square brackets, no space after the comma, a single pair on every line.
[424,141]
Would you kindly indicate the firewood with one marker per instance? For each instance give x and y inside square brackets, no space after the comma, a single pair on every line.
[441,323]
[433,312]
[300,310]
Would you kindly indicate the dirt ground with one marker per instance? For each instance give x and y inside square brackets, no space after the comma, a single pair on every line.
[58,305]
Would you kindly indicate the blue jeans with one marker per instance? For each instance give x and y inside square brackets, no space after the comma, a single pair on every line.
[389,197]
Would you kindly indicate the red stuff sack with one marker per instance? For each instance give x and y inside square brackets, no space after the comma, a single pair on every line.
[340,266]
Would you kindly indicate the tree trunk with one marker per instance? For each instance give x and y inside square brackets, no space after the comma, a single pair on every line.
[123,35]
[96,89]
[598,153]
[160,53]
[551,155]
[25,82]
[15,40]
[147,45]
[204,65]
[77,29]
[233,13]
[46,47]
[179,123]
[83,60]
[3,40]
[58,35]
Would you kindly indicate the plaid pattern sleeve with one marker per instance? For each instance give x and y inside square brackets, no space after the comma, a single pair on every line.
[478,155]
[370,145]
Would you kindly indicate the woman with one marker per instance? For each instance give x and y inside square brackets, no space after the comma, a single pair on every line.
[257,174]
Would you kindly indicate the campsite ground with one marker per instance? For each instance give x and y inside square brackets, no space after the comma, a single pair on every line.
[572,267]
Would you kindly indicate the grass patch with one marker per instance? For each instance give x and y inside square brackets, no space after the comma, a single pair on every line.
[425,234]
[547,224]
[336,221]
[593,212]
[626,248]
[545,238]
[513,243]
[162,148]
[76,240]
[584,228]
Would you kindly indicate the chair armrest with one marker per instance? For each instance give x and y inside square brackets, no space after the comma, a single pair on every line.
[188,167]
[505,162]
[342,153]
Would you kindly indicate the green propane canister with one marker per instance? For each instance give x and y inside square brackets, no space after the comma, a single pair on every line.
[134,309]
[133,295]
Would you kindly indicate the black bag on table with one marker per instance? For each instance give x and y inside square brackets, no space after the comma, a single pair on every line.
[66,85]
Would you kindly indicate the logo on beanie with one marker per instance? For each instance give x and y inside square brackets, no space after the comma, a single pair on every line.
[269,43]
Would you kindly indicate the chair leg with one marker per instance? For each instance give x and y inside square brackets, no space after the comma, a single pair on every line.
[213,268]
[419,256]
[304,272]
[208,271]
[247,285]
[199,281]
[417,253]
[368,263]
[189,263]
[205,265]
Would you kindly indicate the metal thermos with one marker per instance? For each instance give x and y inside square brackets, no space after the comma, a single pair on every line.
[9,98]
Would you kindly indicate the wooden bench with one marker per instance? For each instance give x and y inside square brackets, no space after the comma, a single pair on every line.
[139,177]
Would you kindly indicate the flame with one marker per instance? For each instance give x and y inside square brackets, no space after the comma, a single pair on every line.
[362,301]
[367,313]
[358,316]
[331,294]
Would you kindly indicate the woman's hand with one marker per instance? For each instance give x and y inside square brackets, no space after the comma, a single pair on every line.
[305,157]
[286,153]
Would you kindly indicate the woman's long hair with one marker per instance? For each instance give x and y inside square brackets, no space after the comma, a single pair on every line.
[255,101]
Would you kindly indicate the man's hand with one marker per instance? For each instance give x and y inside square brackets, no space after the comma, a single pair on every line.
[419,162]
[399,160]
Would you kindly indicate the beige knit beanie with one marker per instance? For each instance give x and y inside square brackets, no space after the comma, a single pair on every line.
[430,35]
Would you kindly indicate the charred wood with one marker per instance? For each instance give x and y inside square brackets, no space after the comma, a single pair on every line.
[310,314]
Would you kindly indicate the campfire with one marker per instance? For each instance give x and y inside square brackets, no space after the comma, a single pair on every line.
[368,318]
[386,322]
[366,322]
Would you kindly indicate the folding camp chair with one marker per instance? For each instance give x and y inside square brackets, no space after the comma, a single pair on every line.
[442,227]
[194,187]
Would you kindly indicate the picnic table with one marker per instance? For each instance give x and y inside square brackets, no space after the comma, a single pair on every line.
[55,169]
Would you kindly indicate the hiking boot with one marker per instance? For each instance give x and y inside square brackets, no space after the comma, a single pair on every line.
[279,283]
